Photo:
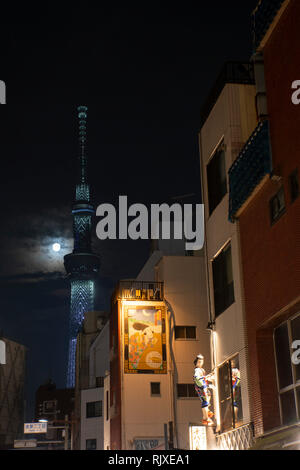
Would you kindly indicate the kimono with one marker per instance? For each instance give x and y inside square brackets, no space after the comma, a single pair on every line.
[201,387]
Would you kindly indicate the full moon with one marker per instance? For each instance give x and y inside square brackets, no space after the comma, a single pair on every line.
[56,247]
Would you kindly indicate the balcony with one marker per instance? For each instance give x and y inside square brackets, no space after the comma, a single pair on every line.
[139,290]
[249,169]
[263,17]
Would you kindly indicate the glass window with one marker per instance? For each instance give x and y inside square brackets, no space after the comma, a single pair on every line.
[179,332]
[230,398]
[155,388]
[288,371]
[94,409]
[107,405]
[294,185]
[181,390]
[100,382]
[283,356]
[277,205]
[91,444]
[288,407]
[185,332]
[223,280]
[216,179]
[186,391]
[295,327]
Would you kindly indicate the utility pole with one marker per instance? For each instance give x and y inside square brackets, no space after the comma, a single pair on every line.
[66,432]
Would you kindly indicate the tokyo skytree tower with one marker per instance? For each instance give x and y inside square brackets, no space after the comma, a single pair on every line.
[82,266]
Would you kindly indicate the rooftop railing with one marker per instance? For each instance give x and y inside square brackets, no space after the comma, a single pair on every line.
[139,290]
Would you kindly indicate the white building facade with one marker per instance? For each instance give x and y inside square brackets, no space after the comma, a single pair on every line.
[94,418]
[225,129]
[157,409]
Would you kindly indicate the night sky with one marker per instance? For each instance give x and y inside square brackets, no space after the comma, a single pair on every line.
[144,76]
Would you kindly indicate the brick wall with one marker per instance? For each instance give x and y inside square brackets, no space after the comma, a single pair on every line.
[271,253]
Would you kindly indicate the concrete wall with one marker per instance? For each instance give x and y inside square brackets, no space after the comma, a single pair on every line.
[91,428]
[144,416]
[185,292]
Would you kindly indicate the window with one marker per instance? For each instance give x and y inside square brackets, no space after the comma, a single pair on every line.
[288,373]
[186,391]
[94,409]
[294,185]
[107,405]
[231,411]
[277,206]
[185,332]
[155,389]
[223,281]
[91,444]
[216,179]
[100,382]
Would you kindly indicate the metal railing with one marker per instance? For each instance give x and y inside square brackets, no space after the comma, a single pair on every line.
[140,290]
[241,438]
[262,18]
[253,163]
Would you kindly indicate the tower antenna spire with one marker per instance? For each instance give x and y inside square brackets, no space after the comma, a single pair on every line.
[82,117]
[82,266]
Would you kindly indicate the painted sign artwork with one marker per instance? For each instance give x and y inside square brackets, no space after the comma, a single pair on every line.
[145,340]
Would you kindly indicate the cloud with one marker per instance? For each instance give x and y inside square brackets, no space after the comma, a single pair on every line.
[28,242]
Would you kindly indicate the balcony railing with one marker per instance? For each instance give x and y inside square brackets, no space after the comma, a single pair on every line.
[140,290]
[263,17]
[251,166]
[238,439]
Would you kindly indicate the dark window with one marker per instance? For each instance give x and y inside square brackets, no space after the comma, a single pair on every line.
[94,409]
[155,388]
[288,371]
[100,382]
[277,205]
[185,332]
[288,407]
[216,179]
[295,327]
[231,410]
[107,405]
[186,391]
[223,281]
[294,185]
[189,253]
[283,356]
[91,444]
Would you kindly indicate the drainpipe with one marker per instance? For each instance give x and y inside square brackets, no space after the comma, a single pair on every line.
[173,370]
[211,324]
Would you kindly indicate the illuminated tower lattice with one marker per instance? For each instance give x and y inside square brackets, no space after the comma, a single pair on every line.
[82,265]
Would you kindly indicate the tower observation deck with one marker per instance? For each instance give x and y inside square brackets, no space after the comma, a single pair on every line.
[82,265]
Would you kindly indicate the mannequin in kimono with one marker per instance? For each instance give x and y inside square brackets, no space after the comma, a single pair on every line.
[203,383]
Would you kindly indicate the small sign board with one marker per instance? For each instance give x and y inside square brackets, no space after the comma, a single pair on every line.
[35,428]
[2,352]
[21,443]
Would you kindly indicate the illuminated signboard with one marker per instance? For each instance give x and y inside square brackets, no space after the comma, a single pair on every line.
[198,438]
[35,428]
[145,340]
